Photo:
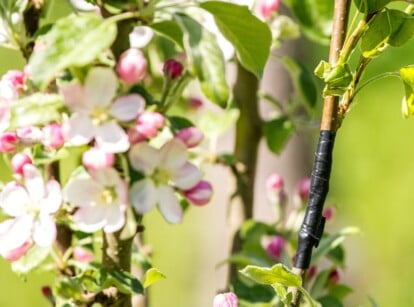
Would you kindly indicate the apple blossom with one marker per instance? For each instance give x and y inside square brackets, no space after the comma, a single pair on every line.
[95,158]
[101,198]
[132,66]
[31,207]
[228,299]
[95,117]
[8,91]
[191,136]
[200,194]
[18,161]
[164,169]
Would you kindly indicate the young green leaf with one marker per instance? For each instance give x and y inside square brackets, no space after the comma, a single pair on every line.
[169,29]
[64,45]
[152,276]
[269,276]
[124,281]
[250,36]
[371,6]
[407,76]
[277,132]
[206,59]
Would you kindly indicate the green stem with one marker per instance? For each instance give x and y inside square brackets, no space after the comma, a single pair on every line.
[308,297]
[375,78]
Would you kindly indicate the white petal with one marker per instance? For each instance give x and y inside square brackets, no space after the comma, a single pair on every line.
[15,232]
[14,199]
[168,204]
[126,108]
[140,36]
[78,130]
[110,137]
[187,176]
[90,219]
[100,86]
[74,97]
[143,195]
[109,177]
[115,218]
[53,199]
[44,230]
[173,155]
[82,192]
[34,183]
[144,158]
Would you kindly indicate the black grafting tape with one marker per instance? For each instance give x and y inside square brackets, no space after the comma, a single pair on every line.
[313,223]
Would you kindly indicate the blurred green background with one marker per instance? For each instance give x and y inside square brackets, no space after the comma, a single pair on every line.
[372,186]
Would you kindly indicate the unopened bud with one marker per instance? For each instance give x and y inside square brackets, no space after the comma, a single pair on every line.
[328,213]
[132,66]
[195,103]
[149,123]
[333,278]
[311,271]
[200,194]
[265,8]
[18,161]
[53,136]
[304,188]
[16,78]
[228,299]
[95,158]
[29,135]
[275,247]
[82,255]
[172,68]
[8,142]
[134,136]
[274,182]
[190,136]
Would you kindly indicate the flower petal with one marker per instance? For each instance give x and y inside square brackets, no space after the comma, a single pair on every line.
[109,177]
[34,183]
[53,199]
[140,36]
[100,86]
[144,158]
[173,155]
[168,205]
[187,176]
[74,97]
[15,232]
[44,230]
[110,137]
[115,218]
[143,195]
[14,199]
[90,219]
[127,107]
[78,130]
[81,192]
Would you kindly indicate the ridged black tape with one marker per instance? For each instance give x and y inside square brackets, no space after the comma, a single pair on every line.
[313,222]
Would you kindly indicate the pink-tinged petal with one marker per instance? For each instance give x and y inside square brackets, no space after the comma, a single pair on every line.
[127,107]
[100,86]
[78,130]
[110,178]
[44,230]
[82,192]
[168,205]
[187,176]
[143,195]
[110,137]
[5,114]
[14,199]
[17,253]
[82,254]
[15,232]
[53,200]
[74,97]
[90,219]
[144,158]
[34,183]
[115,218]
[173,155]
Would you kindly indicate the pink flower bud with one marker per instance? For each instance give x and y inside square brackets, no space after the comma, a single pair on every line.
[95,158]
[228,299]
[134,136]
[190,136]
[265,8]
[172,68]
[274,182]
[148,123]
[18,161]
[53,136]
[17,253]
[27,69]
[311,272]
[46,291]
[275,247]
[29,135]
[82,255]
[200,194]
[8,142]
[333,278]
[328,213]
[16,78]
[195,103]
[132,66]
[304,188]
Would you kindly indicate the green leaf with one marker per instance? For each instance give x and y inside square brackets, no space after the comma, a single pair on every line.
[390,27]
[284,296]
[340,291]
[64,45]
[177,123]
[250,36]
[330,242]
[213,124]
[206,59]
[315,18]
[330,301]
[152,276]
[124,281]
[31,261]
[302,80]
[170,30]
[337,79]
[269,276]
[45,157]
[407,76]
[277,132]
[36,109]
[253,294]
[370,6]
[320,283]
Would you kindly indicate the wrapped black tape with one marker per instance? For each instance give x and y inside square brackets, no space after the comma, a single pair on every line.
[313,222]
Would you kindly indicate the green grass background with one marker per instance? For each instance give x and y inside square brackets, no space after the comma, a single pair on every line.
[372,185]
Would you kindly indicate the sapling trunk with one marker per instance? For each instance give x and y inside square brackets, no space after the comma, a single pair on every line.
[313,224]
